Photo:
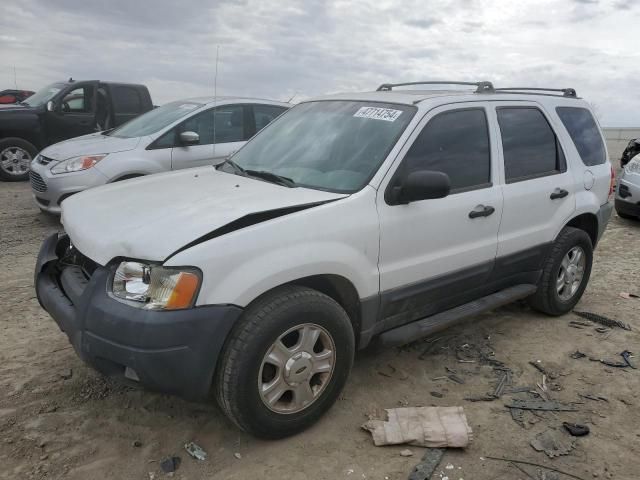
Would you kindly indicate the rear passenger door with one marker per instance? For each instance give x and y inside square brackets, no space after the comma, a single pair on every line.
[538,189]
[433,254]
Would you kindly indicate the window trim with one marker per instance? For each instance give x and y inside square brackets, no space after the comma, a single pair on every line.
[454,191]
[561,157]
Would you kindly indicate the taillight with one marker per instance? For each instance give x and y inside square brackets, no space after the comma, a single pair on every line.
[612,185]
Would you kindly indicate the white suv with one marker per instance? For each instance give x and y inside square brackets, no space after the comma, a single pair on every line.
[379,216]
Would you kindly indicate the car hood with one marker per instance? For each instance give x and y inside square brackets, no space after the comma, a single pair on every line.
[92,144]
[152,217]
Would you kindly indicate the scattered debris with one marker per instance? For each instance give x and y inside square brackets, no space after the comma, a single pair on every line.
[170,464]
[481,398]
[195,450]
[518,416]
[626,355]
[524,462]
[455,378]
[391,371]
[152,476]
[542,405]
[430,461]
[602,320]
[578,324]
[577,354]
[576,429]
[545,371]
[237,455]
[596,398]
[422,426]
[628,296]
[66,374]
[553,442]
[436,394]
[406,453]
[136,443]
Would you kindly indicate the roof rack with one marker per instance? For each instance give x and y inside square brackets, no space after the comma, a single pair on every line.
[481,87]
[566,92]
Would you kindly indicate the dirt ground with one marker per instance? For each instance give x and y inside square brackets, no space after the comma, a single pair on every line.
[59,419]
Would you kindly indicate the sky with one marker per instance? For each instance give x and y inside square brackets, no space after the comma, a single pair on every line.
[283,48]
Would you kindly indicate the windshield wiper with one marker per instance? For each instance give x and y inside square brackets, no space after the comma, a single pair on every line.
[237,169]
[271,177]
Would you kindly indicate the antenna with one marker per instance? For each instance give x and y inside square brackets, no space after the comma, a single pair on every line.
[292,97]
[215,99]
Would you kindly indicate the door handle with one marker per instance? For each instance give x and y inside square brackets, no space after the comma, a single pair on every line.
[558,193]
[481,211]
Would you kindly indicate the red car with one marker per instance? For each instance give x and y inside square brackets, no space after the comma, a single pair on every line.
[14,96]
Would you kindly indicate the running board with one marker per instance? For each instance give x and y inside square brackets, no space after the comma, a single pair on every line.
[429,325]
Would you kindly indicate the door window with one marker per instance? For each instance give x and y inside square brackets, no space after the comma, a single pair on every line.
[78,100]
[530,147]
[264,114]
[457,143]
[585,134]
[229,125]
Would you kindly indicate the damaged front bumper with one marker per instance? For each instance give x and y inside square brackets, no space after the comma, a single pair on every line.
[169,351]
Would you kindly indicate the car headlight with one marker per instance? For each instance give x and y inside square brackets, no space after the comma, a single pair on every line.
[634,165]
[154,287]
[76,164]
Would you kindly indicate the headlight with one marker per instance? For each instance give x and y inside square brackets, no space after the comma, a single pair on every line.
[634,165]
[76,164]
[155,287]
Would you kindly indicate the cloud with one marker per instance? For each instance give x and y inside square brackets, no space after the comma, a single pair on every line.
[278,48]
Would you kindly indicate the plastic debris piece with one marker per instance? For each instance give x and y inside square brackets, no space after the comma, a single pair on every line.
[170,464]
[237,455]
[543,405]
[596,398]
[628,296]
[517,415]
[422,426]
[576,429]
[553,442]
[607,322]
[626,356]
[436,394]
[195,450]
[406,453]
[430,461]
[578,354]
[455,378]
[481,398]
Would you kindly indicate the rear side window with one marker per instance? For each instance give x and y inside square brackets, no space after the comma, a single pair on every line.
[585,134]
[456,143]
[264,114]
[530,147]
[127,99]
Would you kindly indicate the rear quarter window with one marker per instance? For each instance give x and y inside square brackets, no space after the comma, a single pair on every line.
[585,134]
[127,100]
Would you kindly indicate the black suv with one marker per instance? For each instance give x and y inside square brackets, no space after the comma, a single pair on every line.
[60,111]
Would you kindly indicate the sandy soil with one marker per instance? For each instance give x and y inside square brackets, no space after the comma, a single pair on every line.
[59,419]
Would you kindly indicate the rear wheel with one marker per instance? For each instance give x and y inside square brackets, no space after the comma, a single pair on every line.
[285,363]
[15,159]
[565,274]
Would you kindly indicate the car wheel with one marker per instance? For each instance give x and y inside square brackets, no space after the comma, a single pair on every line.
[565,273]
[15,159]
[285,362]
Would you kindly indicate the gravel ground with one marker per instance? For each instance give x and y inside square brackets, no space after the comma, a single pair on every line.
[59,419]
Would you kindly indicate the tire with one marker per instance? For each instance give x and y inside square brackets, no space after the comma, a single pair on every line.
[626,216]
[14,150]
[243,367]
[548,299]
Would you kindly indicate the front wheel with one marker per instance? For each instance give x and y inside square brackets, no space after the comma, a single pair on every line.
[285,363]
[565,273]
[15,159]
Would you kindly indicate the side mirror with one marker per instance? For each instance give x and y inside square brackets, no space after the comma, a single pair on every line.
[51,106]
[421,185]
[189,138]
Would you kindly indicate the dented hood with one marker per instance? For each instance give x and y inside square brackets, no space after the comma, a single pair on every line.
[151,217]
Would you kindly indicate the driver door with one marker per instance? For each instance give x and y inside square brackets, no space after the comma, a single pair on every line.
[436,254]
[74,113]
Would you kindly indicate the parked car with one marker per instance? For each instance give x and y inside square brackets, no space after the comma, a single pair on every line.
[63,110]
[627,201]
[633,149]
[353,218]
[14,96]
[178,135]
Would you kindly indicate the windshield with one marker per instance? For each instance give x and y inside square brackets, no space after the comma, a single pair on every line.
[328,145]
[43,95]
[154,120]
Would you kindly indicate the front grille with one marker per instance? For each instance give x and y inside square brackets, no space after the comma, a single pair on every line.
[37,182]
[42,160]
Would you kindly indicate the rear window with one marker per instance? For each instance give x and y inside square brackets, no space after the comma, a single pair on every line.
[127,99]
[585,134]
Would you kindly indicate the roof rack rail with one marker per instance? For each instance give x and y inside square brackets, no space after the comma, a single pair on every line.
[481,87]
[566,92]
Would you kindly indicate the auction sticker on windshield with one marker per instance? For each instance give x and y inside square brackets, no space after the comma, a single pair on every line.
[378,113]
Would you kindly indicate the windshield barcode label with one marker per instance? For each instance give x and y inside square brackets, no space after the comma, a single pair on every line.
[377,113]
